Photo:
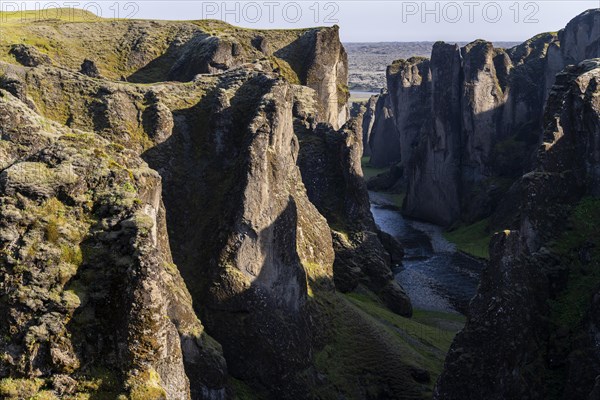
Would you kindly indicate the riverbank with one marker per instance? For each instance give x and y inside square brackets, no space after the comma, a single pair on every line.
[436,276]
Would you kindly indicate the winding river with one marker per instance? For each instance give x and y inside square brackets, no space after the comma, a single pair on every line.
[435,276]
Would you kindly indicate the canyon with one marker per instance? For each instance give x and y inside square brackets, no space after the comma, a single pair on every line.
[184,214]
[507,139]
[464,124]
[172,221]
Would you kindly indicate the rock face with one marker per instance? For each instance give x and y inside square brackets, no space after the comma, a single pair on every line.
[29,56]
[533,324]
[464,124]
[264,241]
[383,139]
[78,234]
[156,51]
[258,242]
[410,91]
[433,178]
[124,203]
[367,125]
[88,67]
[330,162]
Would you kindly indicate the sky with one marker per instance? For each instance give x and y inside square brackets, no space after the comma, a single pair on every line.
[359,21]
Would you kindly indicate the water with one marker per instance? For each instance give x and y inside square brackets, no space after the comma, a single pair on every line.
[435,276]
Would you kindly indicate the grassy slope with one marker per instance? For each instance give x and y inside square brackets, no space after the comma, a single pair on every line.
[381,347]
[472,239]
[68,36]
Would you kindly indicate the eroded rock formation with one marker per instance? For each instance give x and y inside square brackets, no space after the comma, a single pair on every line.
[125,203]
[464,124]
[533,324]
[78,234]
[330,163]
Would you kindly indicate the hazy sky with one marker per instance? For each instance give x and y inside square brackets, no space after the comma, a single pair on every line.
[360,21]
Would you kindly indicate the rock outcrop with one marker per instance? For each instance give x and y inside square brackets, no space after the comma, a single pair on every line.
[29,56]
[533,324]
[367,124]
[156,51]
[88,67]
[78,234]
[131,211]
[330,163]
[465,124]
[384,143]
[253,245]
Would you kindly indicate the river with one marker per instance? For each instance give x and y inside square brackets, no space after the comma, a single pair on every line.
[435,276]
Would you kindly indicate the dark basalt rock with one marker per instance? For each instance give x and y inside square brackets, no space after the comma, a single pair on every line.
[262,44]
[99,238]
[367,125]
[465,124]
[390,180]
[512,339]
[393,247]
[384,144]
[330,163]
[29,56]
[89,68]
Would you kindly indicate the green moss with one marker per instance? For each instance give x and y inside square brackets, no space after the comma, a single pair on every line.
[343,93]
[570,307]
[100,384]
[71,254]
[20,388]
[508,157]
[52,234]
[128,187]
[472,239]
[380,348]
[146,386]
[285,70]
[45,395]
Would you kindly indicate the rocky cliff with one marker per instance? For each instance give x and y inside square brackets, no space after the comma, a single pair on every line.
[533,325]
[368,117]
[384,145]
[91,297]
[330,163]
[464,124]
[131,211]
[154,51]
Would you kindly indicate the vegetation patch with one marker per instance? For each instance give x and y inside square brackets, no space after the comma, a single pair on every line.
[579,248]
[20,388]
[472,239]
[381,348]
[243,391]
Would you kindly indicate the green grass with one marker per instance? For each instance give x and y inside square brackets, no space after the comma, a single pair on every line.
[472,239]
[368,171]
[59,14]
[373,350]
[570,307]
